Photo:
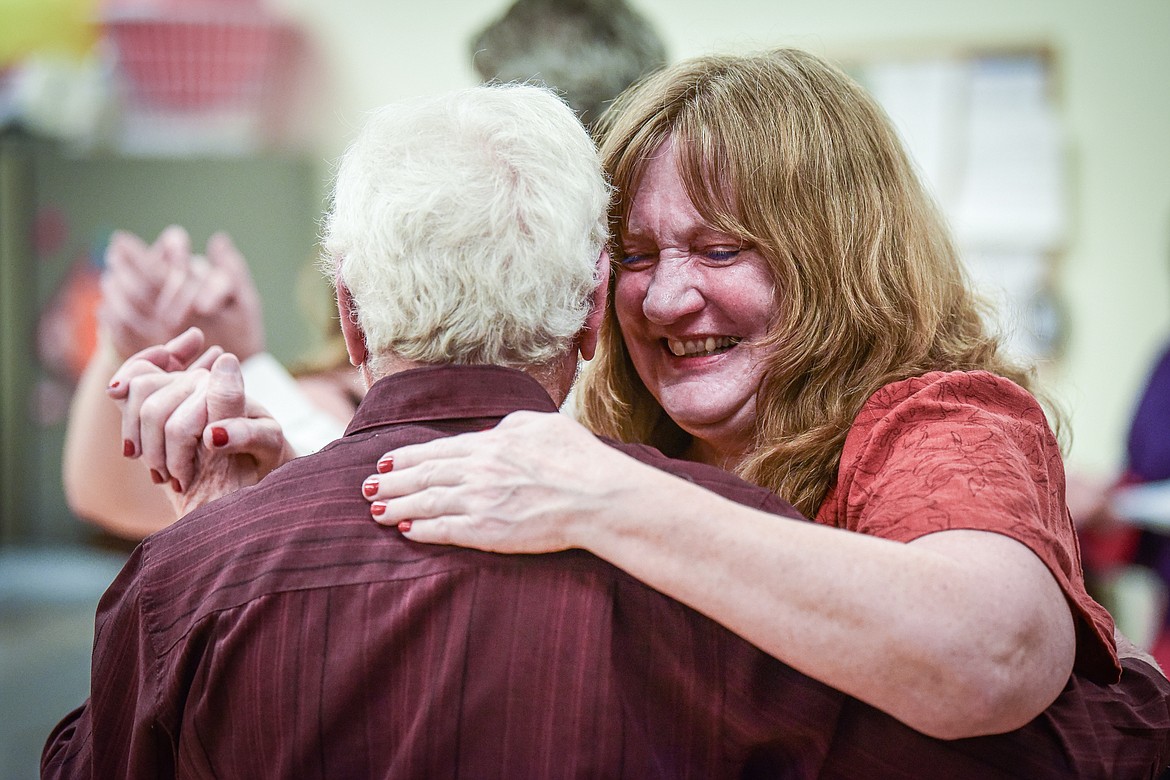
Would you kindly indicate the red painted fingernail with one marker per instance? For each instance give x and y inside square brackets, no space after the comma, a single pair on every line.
[370,486]
[175,486]
[115,385]
[219,436]
[156,478]
[378,508]
[404,526]
[386,464]
[127,448]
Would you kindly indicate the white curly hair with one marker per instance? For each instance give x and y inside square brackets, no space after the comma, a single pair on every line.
[467,228]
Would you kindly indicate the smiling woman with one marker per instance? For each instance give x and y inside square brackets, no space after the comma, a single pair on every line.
[786,303]
[792,161]
[694,306]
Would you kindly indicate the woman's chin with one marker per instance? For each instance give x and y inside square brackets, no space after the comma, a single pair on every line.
[719,425]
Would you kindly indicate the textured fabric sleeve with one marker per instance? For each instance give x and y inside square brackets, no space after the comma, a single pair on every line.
[950,451]
[115,733]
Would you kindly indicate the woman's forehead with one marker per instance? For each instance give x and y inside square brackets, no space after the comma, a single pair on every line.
[675,162]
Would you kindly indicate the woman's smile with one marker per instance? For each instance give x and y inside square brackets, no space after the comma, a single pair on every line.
[693,304]
[701,347]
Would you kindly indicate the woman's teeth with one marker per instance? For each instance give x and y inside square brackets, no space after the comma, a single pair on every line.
[700,347]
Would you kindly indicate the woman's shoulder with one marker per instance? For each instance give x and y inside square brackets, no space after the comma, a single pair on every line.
[979,408]
[940,398]
[336,392]
[964,450]
[951,389]
[940,419]
[952,413]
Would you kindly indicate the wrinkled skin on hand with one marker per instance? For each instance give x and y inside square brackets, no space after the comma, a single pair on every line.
[500,490]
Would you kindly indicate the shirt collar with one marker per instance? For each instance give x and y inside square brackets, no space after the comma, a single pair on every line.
[448,393]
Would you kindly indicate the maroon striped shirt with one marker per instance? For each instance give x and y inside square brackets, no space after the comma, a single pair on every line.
[281,633]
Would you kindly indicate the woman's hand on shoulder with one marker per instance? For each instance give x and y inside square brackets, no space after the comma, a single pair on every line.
[529,485]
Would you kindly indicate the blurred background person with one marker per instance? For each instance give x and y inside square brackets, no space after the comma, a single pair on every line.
[588,51]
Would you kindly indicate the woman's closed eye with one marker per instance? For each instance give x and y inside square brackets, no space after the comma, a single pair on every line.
[721,254]
[635,261]
[640,259]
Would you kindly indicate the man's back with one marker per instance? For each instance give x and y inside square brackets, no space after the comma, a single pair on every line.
[280,633]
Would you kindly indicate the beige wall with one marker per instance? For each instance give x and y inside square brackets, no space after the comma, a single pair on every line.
[1113,64]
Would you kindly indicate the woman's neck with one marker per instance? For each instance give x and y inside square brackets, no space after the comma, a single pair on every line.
[701,451]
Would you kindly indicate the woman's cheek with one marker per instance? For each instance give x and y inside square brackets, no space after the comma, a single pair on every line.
[629,293]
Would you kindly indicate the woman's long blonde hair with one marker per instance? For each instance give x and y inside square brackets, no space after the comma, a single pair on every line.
[786,152]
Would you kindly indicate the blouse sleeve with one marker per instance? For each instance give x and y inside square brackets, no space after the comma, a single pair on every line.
[949,451]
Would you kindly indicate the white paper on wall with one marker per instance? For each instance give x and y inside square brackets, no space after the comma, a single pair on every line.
[1013,192]
[986,136]
[1018,284]
[927,101]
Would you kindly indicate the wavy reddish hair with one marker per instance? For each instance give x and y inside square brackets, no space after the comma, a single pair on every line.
[788,153]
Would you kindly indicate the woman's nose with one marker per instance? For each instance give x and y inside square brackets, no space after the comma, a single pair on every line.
[673,292]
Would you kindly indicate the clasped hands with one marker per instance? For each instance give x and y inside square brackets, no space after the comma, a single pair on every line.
[186,416]
[150,292]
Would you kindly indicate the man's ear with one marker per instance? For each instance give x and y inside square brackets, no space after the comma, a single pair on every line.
[592,330]
[355,338]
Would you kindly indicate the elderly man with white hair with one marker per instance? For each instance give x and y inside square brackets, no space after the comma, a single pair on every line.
[277,632]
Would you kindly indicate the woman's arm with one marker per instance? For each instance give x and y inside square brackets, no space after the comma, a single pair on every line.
[957,634]
[149,293]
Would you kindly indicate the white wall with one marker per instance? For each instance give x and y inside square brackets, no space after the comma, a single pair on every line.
[1113,65]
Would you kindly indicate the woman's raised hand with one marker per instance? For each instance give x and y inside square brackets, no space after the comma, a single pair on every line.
[151,292]
[149,387]
[532,484]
